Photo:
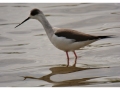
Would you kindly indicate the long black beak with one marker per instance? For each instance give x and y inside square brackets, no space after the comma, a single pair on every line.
[23,22]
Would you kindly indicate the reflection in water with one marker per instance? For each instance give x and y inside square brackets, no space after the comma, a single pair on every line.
[64,70]
[92,80]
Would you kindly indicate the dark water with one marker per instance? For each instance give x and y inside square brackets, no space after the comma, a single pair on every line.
[27,57]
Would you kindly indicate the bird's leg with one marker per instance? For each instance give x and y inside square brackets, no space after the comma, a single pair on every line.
[75,58]
[67,58]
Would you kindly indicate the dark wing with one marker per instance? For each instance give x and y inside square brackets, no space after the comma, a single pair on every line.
[75,35]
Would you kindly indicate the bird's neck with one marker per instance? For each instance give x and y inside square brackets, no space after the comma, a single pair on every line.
[46,25]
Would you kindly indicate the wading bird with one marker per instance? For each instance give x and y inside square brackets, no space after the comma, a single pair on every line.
[63,39]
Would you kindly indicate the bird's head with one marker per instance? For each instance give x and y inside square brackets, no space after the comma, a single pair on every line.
[34,14]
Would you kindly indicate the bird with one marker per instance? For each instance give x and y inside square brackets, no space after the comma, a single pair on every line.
[67,40]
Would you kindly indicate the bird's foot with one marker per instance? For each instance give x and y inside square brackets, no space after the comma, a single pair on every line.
[67,65]
[74,65]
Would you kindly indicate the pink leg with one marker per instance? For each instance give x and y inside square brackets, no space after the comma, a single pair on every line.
[75,58]
[67,58]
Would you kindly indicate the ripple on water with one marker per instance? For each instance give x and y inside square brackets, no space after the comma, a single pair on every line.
[20,6]
[12,45]
[7,23]
[12,52]
[20,32]
[6,62]
[4,39]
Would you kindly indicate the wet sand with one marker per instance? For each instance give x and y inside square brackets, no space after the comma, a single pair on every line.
[27,57]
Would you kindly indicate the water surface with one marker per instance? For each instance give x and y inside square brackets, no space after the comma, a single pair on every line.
[27,57]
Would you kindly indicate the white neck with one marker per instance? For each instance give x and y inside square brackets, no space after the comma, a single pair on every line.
[46,25]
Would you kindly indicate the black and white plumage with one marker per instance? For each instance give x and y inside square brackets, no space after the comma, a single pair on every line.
[64,39]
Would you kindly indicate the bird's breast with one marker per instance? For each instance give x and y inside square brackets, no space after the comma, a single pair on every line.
[61,43]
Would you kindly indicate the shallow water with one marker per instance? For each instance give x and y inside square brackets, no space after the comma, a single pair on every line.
[27,57]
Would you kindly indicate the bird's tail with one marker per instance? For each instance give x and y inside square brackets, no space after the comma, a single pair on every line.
[103,37]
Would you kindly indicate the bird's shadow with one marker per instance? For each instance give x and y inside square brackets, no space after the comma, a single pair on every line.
[63,70]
